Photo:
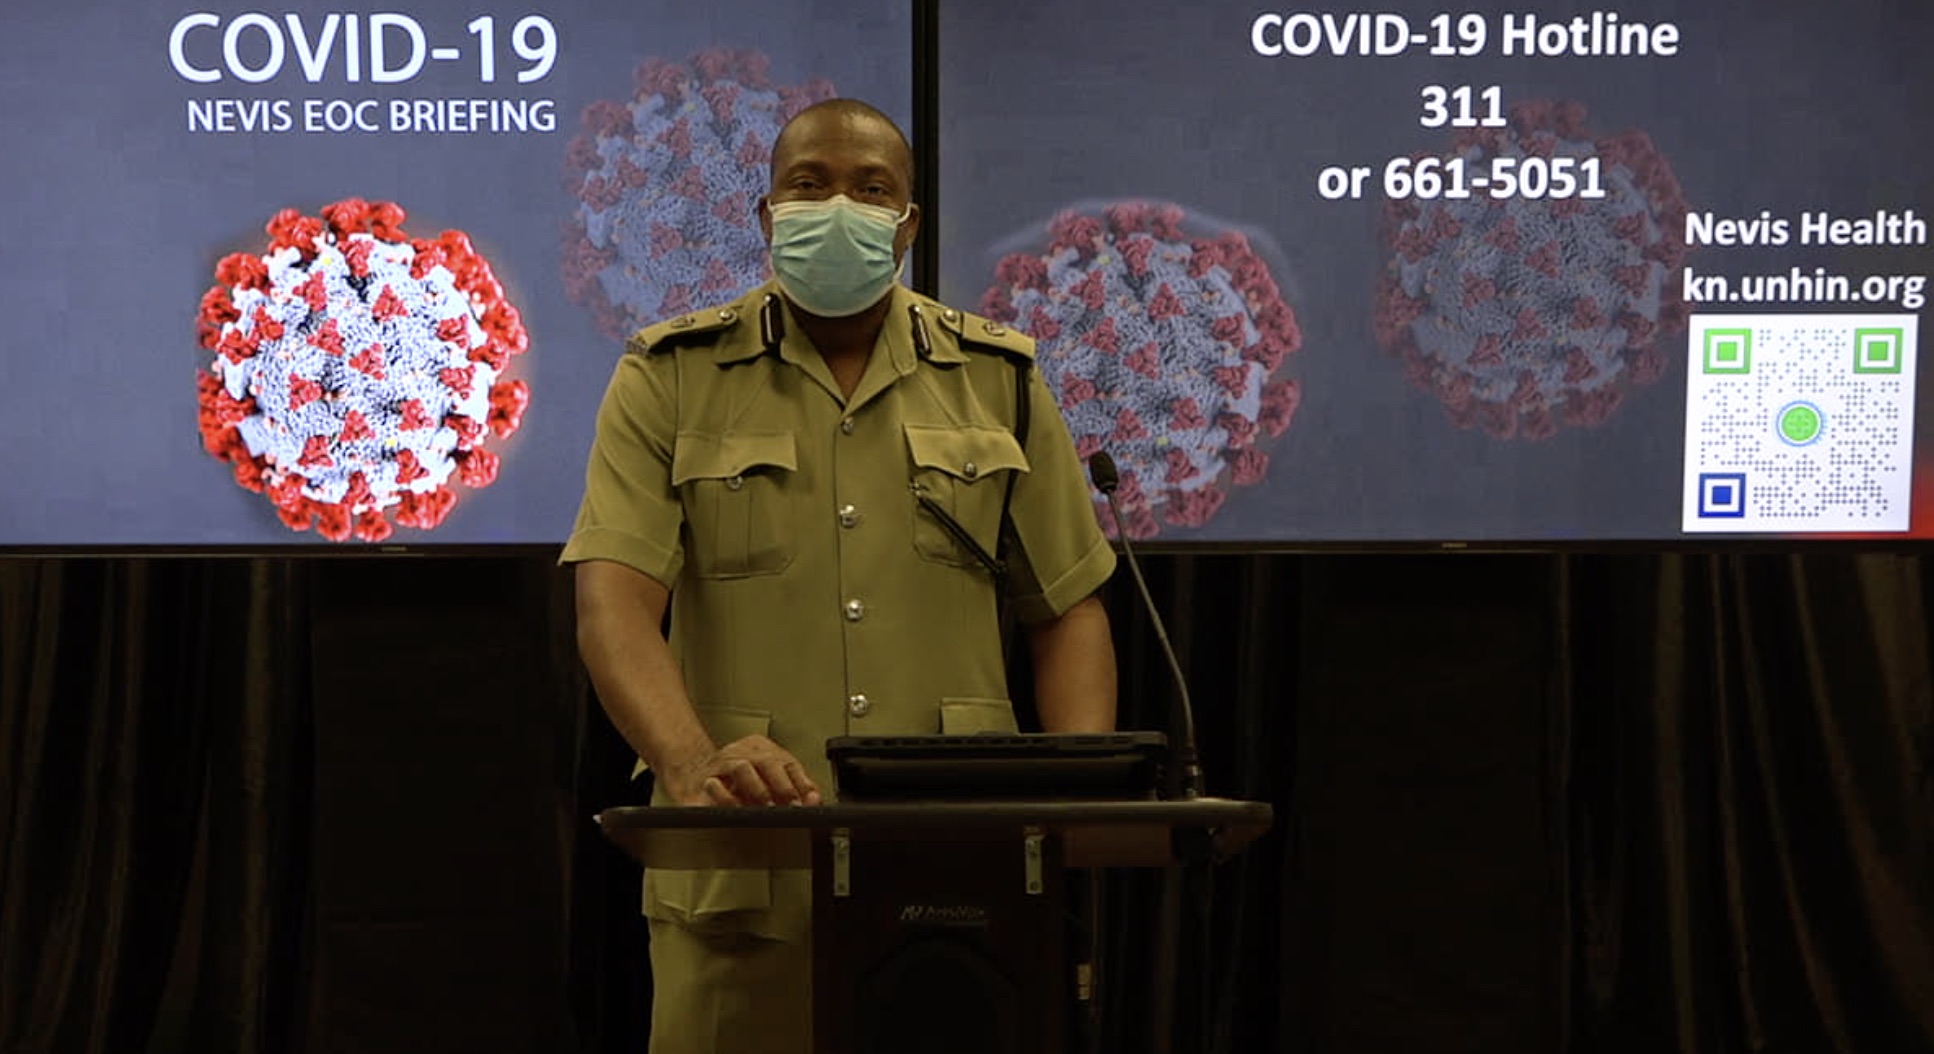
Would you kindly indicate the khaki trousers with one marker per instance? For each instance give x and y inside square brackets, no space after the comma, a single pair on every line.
[731,962]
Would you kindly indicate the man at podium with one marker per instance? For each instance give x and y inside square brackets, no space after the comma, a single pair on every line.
[839,488]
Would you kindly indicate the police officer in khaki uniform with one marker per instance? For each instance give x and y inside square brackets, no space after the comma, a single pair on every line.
[820,472]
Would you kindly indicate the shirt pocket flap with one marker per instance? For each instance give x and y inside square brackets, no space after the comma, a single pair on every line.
[728,724]
[966,453]
[725,724]
[723,901]
[966,717]
[732,456]
[718,901]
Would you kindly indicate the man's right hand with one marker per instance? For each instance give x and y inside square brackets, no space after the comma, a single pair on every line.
[620,614]
[749,771]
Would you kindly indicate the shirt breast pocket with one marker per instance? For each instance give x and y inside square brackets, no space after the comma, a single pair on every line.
[739,491]
[965,470]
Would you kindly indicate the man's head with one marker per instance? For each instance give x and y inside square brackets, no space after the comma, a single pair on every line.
[851,147]
[844,146]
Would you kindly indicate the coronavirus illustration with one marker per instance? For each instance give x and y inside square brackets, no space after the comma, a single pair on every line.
[1523,314]
[668,187]
[1163,338]
[357,370]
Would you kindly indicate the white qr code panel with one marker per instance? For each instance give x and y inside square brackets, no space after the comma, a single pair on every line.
[1799,423]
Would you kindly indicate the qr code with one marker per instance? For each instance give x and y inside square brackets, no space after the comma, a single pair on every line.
[1800,422]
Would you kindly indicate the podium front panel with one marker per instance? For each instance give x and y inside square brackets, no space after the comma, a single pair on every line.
[938,945]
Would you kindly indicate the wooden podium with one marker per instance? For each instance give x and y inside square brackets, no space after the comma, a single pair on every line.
[940,926]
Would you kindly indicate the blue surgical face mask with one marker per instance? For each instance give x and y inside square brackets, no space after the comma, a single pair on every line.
[834,257]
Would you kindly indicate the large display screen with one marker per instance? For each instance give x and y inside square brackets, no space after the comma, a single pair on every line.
[317,275]
[1489,272]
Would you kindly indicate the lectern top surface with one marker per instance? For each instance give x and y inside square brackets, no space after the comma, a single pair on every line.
[1092,833]
[1197,812]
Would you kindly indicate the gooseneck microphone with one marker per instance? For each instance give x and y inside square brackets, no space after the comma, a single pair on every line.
[1101,468]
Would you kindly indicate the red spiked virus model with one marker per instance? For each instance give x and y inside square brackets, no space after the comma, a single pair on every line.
[668,185]
[1164,339]
[358,371]
[1525,313]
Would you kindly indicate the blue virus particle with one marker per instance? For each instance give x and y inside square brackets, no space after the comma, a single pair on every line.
[356,370]
[668,186]
[1524,314]
[1162,338]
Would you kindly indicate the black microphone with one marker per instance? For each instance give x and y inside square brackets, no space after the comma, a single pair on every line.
[1101,468]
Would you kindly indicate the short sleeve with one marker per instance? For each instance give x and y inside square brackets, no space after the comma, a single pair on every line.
[631,513]
[1063,555]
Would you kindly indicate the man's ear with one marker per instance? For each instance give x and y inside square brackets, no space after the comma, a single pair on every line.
[765,218]
[909,230]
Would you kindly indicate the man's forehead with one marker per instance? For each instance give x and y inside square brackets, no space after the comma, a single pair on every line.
[822,158]
[845,140]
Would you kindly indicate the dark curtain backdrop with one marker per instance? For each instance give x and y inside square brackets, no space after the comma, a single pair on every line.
[155,776]
[1591,803]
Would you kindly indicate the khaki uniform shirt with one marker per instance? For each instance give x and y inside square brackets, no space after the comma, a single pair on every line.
[812,595]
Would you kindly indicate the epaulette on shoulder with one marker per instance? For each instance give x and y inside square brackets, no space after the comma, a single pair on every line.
[983,334]
[685,329]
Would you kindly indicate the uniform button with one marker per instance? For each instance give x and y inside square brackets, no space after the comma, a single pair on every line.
[950,314]
[735,483]
[994,329]
[858,704]
[846,426]
[970,470]
[855,610]
[849,516]
[727,314]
